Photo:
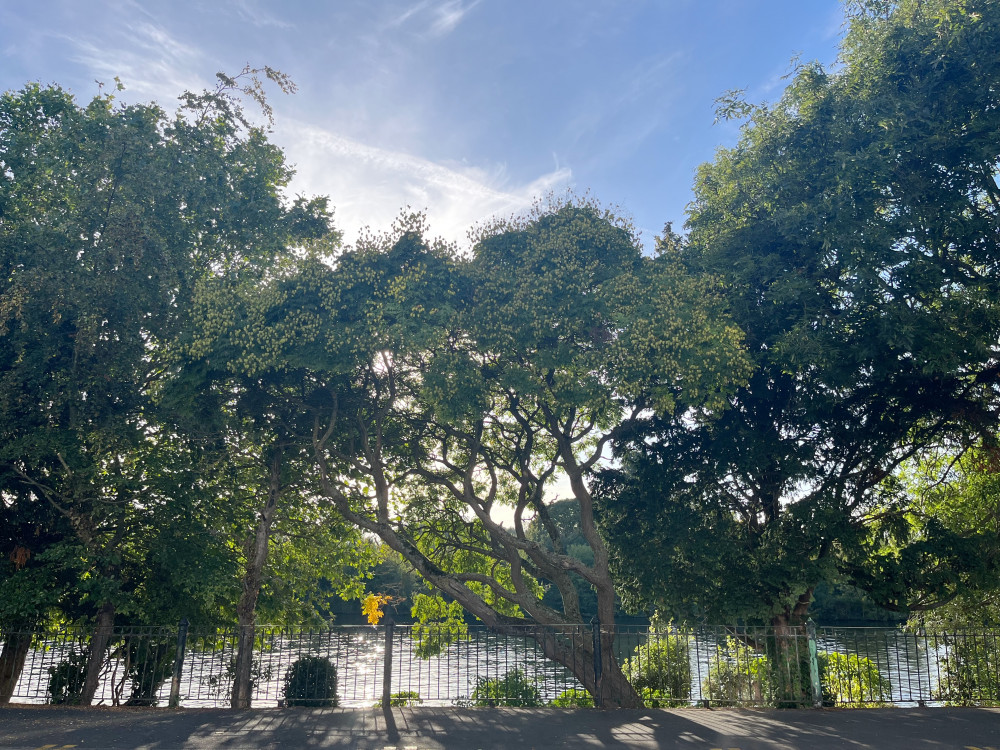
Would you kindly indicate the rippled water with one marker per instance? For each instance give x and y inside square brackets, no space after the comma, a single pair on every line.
[911,664]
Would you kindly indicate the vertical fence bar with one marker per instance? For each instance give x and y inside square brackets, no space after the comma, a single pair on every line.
[175,683]
[598,666]
[387,664]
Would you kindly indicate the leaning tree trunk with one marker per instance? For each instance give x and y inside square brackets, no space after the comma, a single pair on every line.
[98,648]
[16,645]
[246,609]
[574,649]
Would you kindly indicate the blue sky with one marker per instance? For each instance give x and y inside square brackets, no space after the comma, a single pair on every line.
[465,108]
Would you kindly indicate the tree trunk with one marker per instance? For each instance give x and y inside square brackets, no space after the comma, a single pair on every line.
[246,609]
[98,647]
[16,645]
[789,656]
[575,651]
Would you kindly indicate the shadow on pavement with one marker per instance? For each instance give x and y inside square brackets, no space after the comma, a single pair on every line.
[428,728]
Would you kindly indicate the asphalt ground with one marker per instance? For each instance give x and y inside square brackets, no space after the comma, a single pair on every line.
[59,728]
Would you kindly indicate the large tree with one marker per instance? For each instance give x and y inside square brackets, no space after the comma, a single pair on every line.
[108,216]
[448,392]
[856,227]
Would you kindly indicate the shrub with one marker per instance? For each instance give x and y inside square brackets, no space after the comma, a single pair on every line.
[738,674]
[404,698]
[853,679]
[513,689]
[970,673]
[660,670]
[741,675]
[311,681]
[66,679]
[574,698]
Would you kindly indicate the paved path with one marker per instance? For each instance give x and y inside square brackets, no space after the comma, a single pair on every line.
[57,728]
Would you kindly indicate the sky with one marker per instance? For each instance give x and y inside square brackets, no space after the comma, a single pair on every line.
[465,109]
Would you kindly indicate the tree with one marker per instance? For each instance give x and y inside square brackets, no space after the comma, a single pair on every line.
[961,493]
[855,227]
[108,216]
[445,388]
[257,466]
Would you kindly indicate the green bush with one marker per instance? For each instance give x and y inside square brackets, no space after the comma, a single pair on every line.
[660,670]
[311,681]
[404,698]
[513,689]
[970,673]
[738,674]
[852,679]
[741,675]
[574,698]
[66,679]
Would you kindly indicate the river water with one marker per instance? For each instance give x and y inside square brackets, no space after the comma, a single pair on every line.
[910,663]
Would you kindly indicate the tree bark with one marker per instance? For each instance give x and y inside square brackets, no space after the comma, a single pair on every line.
[789,663]
[98,647]
[16,645]
[246,609]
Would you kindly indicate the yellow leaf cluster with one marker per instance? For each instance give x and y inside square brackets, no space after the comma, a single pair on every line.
[372,605]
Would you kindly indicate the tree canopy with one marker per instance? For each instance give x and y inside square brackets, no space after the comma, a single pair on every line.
[110,217]
[443,388]
[855,227]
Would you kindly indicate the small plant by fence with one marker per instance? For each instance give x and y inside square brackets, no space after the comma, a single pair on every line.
[407,665]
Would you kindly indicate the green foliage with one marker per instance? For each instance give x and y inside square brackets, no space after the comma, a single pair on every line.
[956,496]
[738,675]
[853,680]
[402,699]
[970,671]
[565,517]
[150,662]
[853,231]
[660,669]
[112,217]
[515,688]
[573,698]
[437,624]
[311,681]
[66,679]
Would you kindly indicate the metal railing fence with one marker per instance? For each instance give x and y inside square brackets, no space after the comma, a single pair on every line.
[738,666]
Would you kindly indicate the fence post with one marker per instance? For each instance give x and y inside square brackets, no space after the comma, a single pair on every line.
[175,683]
[598,665]
[390,626]
[817,688]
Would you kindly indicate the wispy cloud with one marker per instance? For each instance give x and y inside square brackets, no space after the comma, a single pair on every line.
[369,186]
[252,12]
[409,13]
[152,63]
[436,18]
[449,15]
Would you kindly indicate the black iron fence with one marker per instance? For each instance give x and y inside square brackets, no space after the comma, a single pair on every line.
[469,665]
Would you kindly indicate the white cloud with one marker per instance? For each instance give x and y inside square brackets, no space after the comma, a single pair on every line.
[153,65]
[368,186]
[441,17]
[250,11]
[449,15]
